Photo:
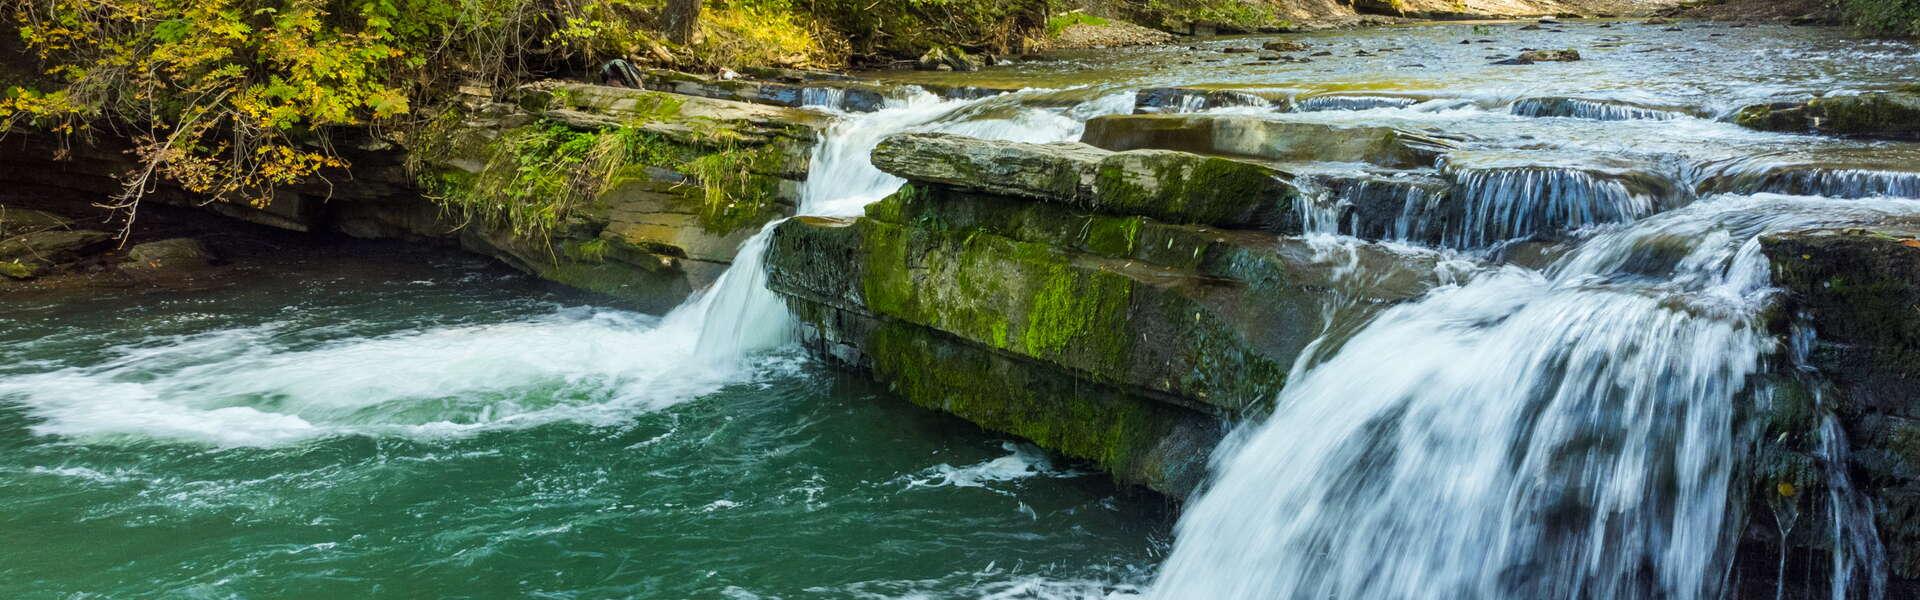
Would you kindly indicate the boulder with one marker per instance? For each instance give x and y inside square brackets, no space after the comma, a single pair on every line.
[168,255]
[33,254]
[1286,46]
[1888,115]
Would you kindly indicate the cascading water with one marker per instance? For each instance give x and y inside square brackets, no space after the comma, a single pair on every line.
[1558,434]
[1576,108]
[738,315]
[1334,102]
[1502,204]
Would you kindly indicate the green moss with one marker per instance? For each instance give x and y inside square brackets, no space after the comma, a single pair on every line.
[886,284]
[1876,114]
[1111,236]
[1059,23]
[17,270]
[1093,422]
[593,251]
[1185,188]
[891,209]
[1074,309]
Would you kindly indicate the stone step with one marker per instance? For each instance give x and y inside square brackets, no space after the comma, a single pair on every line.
[1269,139]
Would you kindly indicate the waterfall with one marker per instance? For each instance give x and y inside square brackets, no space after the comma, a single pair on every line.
[1324,103]
[1557,434]
[1504,204]
[1832,183]
[1576,108]
[738,315]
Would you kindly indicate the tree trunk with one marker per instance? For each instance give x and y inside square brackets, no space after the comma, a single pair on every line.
[682,17]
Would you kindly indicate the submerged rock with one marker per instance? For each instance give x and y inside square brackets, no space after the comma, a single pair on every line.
[1188,99]
[1600,110]
[1891,115]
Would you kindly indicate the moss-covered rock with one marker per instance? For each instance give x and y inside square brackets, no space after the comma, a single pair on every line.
[1176,187]
[21,221]
[1890,115]
[640,195]
[1100,335]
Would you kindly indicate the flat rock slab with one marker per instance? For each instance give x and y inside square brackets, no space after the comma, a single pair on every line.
[1176,187]
[1255,137]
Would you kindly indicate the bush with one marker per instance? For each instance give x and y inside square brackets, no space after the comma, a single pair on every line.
[1885,17]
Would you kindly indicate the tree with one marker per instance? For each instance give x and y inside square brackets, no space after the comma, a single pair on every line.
[681,18]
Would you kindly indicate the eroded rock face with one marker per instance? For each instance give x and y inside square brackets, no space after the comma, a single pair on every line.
[1036,289]
[1890,115]
[1859,292]
[694,177]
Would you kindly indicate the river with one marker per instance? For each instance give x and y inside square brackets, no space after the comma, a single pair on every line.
[408,423]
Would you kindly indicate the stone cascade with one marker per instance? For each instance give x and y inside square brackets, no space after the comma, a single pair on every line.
[1114,306]
[1598,110]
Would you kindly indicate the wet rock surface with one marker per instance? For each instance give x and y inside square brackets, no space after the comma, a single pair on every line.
[1890,115]
[1858,290]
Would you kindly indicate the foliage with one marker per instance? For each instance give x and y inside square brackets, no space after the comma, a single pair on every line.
[1885,17]
[1061,22]
[535,177]
[232,99]
[909,27]
[1247,15]
[235,99]
[764,33]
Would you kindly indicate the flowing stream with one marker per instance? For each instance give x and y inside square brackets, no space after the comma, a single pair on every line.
[363,420]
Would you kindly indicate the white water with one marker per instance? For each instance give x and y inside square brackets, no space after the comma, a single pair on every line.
[1565,434]
[738,315]
[246,387]
[252,387]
